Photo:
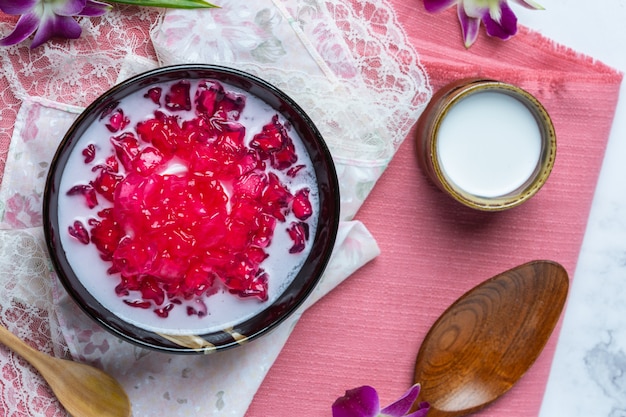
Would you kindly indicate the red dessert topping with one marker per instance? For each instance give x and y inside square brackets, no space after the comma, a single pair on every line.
[178,96]
[117,121]
[89,153]
[79,232]
[195,207]
[299,234]
[106,183]
[154,94]
[301,204]
[87,191]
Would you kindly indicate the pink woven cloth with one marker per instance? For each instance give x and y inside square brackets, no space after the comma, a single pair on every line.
[369,329]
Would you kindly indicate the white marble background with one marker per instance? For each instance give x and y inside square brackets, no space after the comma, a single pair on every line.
[588,376]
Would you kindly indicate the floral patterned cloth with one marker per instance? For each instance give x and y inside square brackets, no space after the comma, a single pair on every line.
[347,63]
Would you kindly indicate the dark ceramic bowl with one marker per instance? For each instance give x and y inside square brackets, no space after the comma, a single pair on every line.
[321,243]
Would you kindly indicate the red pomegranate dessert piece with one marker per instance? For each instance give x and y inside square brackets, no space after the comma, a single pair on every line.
[293,171]
[276,197]
[284,158]
[89,153]
[117,121]
[198,130]
[163,131]
[231,106]
[178,97]
[164,311]
[198,308]
[299,234]
[272,138]
[126,148]
[301,205]
[213,102]
[105,234]
[154,94]
[254,287]
[147,160]
[194,208]
[139,304]
[208,95]
[105,184]
[87,191]
[110,165]
[78,231]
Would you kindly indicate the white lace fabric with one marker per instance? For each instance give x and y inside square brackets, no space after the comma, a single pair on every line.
[347,63]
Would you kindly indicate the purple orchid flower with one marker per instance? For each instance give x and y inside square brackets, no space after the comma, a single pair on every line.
[496,15]
[363,402]
[48,18]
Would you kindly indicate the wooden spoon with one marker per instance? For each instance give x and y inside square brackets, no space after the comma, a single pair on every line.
[83,390]
[484,342]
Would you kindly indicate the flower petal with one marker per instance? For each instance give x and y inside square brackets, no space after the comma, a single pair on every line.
[95,8]
[400,407]
[476,9]
[434,6]
[529,4]
[69,7]
[62,26]
[422,410]
[358,402]
[169,4]
[469,26]
[26,25]
[506,27]
[17,7]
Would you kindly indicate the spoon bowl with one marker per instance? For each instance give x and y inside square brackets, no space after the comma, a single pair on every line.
[83,390]
[487,340]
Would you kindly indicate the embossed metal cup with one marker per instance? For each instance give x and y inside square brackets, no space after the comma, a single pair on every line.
[429,152]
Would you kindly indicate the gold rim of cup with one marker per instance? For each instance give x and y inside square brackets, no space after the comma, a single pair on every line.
[430,122]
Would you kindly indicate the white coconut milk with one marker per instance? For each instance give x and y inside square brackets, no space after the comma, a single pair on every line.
[489,144]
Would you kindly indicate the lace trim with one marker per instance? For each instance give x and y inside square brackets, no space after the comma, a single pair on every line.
[68,74]
[25,309]
[362,82]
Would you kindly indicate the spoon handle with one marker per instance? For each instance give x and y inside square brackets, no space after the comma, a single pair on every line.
[20,347]
[83,390]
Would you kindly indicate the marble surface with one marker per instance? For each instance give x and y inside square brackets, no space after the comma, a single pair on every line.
[588,376]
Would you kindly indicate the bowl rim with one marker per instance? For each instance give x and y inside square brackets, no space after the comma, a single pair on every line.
[290,299]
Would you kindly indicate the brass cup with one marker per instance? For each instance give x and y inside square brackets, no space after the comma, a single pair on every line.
[430,122]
